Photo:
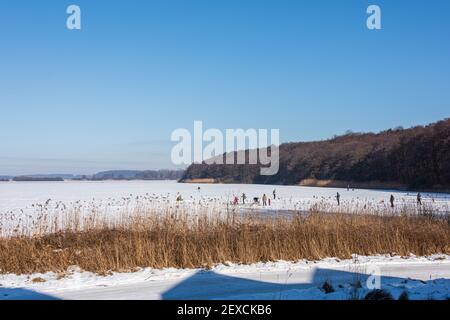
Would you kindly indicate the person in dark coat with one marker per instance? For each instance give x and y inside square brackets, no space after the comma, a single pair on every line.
[244,197]
[419,199]
[338,198]
[391,200]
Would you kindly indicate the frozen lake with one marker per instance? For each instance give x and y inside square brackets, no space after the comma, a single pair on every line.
[21,196]
[25,206]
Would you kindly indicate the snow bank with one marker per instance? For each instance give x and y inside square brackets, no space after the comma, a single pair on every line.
[420,277]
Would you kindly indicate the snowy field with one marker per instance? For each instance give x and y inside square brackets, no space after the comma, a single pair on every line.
[422,278]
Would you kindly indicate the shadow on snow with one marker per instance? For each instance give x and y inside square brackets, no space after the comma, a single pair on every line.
[23,294]
[207,285]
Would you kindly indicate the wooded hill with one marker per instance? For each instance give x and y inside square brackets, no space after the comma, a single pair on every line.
[416,158]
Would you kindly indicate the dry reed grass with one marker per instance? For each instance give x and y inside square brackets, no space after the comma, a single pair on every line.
[182,240]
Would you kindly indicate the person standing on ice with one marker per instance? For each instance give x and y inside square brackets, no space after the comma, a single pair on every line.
[244,197]
[274,194]
[419,199]
[338,198]
[264,200]
[391,200]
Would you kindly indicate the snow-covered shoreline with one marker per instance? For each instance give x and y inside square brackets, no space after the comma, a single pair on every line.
[420,277]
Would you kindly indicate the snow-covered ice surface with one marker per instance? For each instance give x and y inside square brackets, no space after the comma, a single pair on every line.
[22,195]
[25,200]
[421,277]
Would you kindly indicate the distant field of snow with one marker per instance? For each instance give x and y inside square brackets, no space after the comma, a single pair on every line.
[420,277]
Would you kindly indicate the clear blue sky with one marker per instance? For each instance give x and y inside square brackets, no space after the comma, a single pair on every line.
[109,96]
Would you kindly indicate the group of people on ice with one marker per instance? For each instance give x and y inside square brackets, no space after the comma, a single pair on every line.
[418,200]
[266,201]
[391,199]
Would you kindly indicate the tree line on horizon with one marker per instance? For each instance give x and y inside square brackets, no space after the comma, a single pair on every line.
[105,175]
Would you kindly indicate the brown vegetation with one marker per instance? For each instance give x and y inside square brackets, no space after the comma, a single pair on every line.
[200,181]
[352,184]
[180,240]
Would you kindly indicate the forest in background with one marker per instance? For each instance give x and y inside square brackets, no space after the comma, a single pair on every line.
[415,158]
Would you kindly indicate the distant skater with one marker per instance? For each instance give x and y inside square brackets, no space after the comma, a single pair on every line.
[419,199]
[274,192]
[338,198]
[269,201]
[244,197]
[391,200]
[264,200]
[348,187]
[236,201]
